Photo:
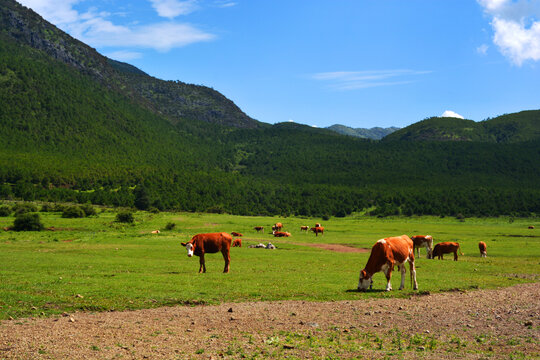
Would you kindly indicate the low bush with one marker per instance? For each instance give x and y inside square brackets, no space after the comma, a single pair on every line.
[23,208]
[73,212]
[5,210]
[170,226]
[88,209]
[28,222]
[125,217]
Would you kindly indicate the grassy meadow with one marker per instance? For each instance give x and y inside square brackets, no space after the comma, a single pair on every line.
[97,264]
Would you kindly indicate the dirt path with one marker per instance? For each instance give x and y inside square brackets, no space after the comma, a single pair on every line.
[470,325]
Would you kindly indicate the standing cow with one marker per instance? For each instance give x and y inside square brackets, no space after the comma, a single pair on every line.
[317,230]
[259,228]
[384,255]
[210,243]
[423,240]
[446,248]
[483,249]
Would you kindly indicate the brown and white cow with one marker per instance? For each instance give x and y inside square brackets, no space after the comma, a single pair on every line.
[531,227]
[483,249]
[384,255]
[210,243]
[304,228]
[317,230]
[237,243]
[234,233]
[277,226]
[446,248]
[423,240]
[281,234]
[259,228]
[155,231]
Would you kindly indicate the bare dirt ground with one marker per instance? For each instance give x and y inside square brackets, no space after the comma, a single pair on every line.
[482,324]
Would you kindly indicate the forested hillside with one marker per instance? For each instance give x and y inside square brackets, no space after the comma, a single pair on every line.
[375,133]
[522,126]
[75,126]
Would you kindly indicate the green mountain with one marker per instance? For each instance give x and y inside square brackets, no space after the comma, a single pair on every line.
[178,101]
[76,126]
[375,133]
[522,126]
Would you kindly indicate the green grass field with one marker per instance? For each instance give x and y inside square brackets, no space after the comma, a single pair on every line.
[97,264]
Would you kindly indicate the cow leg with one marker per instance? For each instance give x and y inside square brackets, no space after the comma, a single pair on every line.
[412,269]
[401,268]
[388,273]
[202,267]
[455,255]
[227,258]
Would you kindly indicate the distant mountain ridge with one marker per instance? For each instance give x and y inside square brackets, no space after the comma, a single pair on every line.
[375,133]
[178,101]
[508,128]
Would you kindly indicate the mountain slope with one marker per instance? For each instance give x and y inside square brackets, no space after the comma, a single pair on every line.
[180,102]
[375,133]
[521,126]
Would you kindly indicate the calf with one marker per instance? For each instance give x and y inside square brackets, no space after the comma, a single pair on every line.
[304,228]
[384,255]
[446,248]
[237,243]
[483,249]
[259,228]
[201,244]
[317,230]
[423,240]
[234,233]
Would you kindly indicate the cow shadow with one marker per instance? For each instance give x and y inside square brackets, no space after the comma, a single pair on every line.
[365,291]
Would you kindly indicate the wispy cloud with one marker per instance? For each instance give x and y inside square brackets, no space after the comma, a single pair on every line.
[124,55]
[225,3]
[94,27]
[482,49]
[516,27]
[353,80]
[173,8]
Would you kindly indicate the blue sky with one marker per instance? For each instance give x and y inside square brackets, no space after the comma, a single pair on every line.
[360,63]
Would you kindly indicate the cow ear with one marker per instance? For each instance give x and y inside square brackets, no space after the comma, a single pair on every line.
[363,273]
[183,244]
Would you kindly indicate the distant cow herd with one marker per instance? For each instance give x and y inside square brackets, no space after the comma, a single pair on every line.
[385,254]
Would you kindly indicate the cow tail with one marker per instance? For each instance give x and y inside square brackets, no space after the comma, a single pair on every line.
[459,247]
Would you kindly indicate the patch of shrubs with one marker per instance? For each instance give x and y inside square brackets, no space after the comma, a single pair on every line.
[28,222]
[78,211]
[23,208]
[72,212]
[5,211]
[170,226]
[125,217]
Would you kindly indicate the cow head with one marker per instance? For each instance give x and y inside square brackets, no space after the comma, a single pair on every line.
[364,282]
[436,251]
[190,247]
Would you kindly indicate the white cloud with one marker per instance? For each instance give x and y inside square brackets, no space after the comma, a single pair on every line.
[352,80]
[450,113]
[94,28]
[482,49]
[516,27]
[173,8]
[225,4]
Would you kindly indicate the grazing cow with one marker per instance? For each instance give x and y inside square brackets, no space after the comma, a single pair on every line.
[155,232]
[317,230]
[531,227]
[281,234]
[201,244]
[259,228]
[234,233]
[237,243]
[384,255]
[423,240]
[277,227]
[483,248]
[304,228]
[446,248]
